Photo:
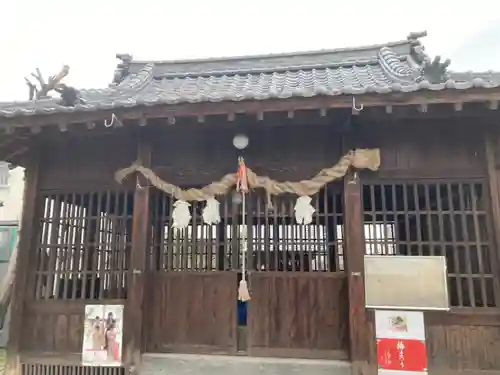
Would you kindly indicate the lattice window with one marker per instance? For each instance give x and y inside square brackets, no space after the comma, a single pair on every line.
[84,248]
[43,369]
[279,244]
[292,238]
[198,248]
[275,241]
[191,251]
[380,238]
[446,218]
[310,241]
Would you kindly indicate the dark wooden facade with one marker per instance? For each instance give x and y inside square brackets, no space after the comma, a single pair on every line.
[87,239]
[435,194]
[93,260]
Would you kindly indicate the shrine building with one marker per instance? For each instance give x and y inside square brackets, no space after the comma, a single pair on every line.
[398,154]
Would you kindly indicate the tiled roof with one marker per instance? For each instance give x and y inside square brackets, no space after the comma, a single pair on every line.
[394,67]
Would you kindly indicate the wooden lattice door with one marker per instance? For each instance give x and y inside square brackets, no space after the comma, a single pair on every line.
[191,288]
[299,298]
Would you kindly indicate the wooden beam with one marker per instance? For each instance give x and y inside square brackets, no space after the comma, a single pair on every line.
[354,260]
[133,319]
[437,112]
[256,106]
[491,142]
[25,256]
[472,317]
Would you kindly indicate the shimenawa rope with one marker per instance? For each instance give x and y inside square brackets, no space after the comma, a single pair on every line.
[246,178]
[359,158]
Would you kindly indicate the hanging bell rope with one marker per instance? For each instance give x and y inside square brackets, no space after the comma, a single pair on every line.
[242,188]
[359,158]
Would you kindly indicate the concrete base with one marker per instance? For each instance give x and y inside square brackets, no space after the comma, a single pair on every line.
[192,364]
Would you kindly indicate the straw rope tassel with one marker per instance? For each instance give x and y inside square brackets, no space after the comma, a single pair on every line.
[242,186]
[243,293]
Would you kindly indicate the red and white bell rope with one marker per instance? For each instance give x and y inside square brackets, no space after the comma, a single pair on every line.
[242,188]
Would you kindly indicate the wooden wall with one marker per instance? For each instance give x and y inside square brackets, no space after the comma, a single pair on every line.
[467,343]
[75,162]
[311,311]
[200,154]
[191,312]
[424,149]
[75,189]
[420,156]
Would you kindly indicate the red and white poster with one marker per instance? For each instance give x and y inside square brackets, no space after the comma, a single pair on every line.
[401,346]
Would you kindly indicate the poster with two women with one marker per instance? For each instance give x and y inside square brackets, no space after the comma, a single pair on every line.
[103,335]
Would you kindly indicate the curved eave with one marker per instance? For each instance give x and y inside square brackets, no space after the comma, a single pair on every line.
[96,117]
[50,107]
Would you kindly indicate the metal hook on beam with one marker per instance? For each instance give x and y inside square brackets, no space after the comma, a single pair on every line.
[114,120]
[357,109]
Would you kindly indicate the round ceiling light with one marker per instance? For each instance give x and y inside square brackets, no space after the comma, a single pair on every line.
[240,141]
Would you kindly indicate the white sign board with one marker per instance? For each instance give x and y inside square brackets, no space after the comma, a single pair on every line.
[406,282]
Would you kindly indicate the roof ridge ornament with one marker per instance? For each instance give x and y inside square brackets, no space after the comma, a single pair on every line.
[417,49]
[69,95]
[414,36]
[123,68]
[431,70]
[44,88]
[435,71]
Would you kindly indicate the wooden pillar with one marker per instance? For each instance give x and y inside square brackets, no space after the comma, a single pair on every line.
[491,142]
[133,319]
[28,233]
[359,338]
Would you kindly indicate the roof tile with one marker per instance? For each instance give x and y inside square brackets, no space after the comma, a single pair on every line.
[395,67]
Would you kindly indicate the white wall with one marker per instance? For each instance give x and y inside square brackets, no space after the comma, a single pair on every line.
[12,196]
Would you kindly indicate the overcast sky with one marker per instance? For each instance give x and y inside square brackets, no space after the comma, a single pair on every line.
[86,35]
